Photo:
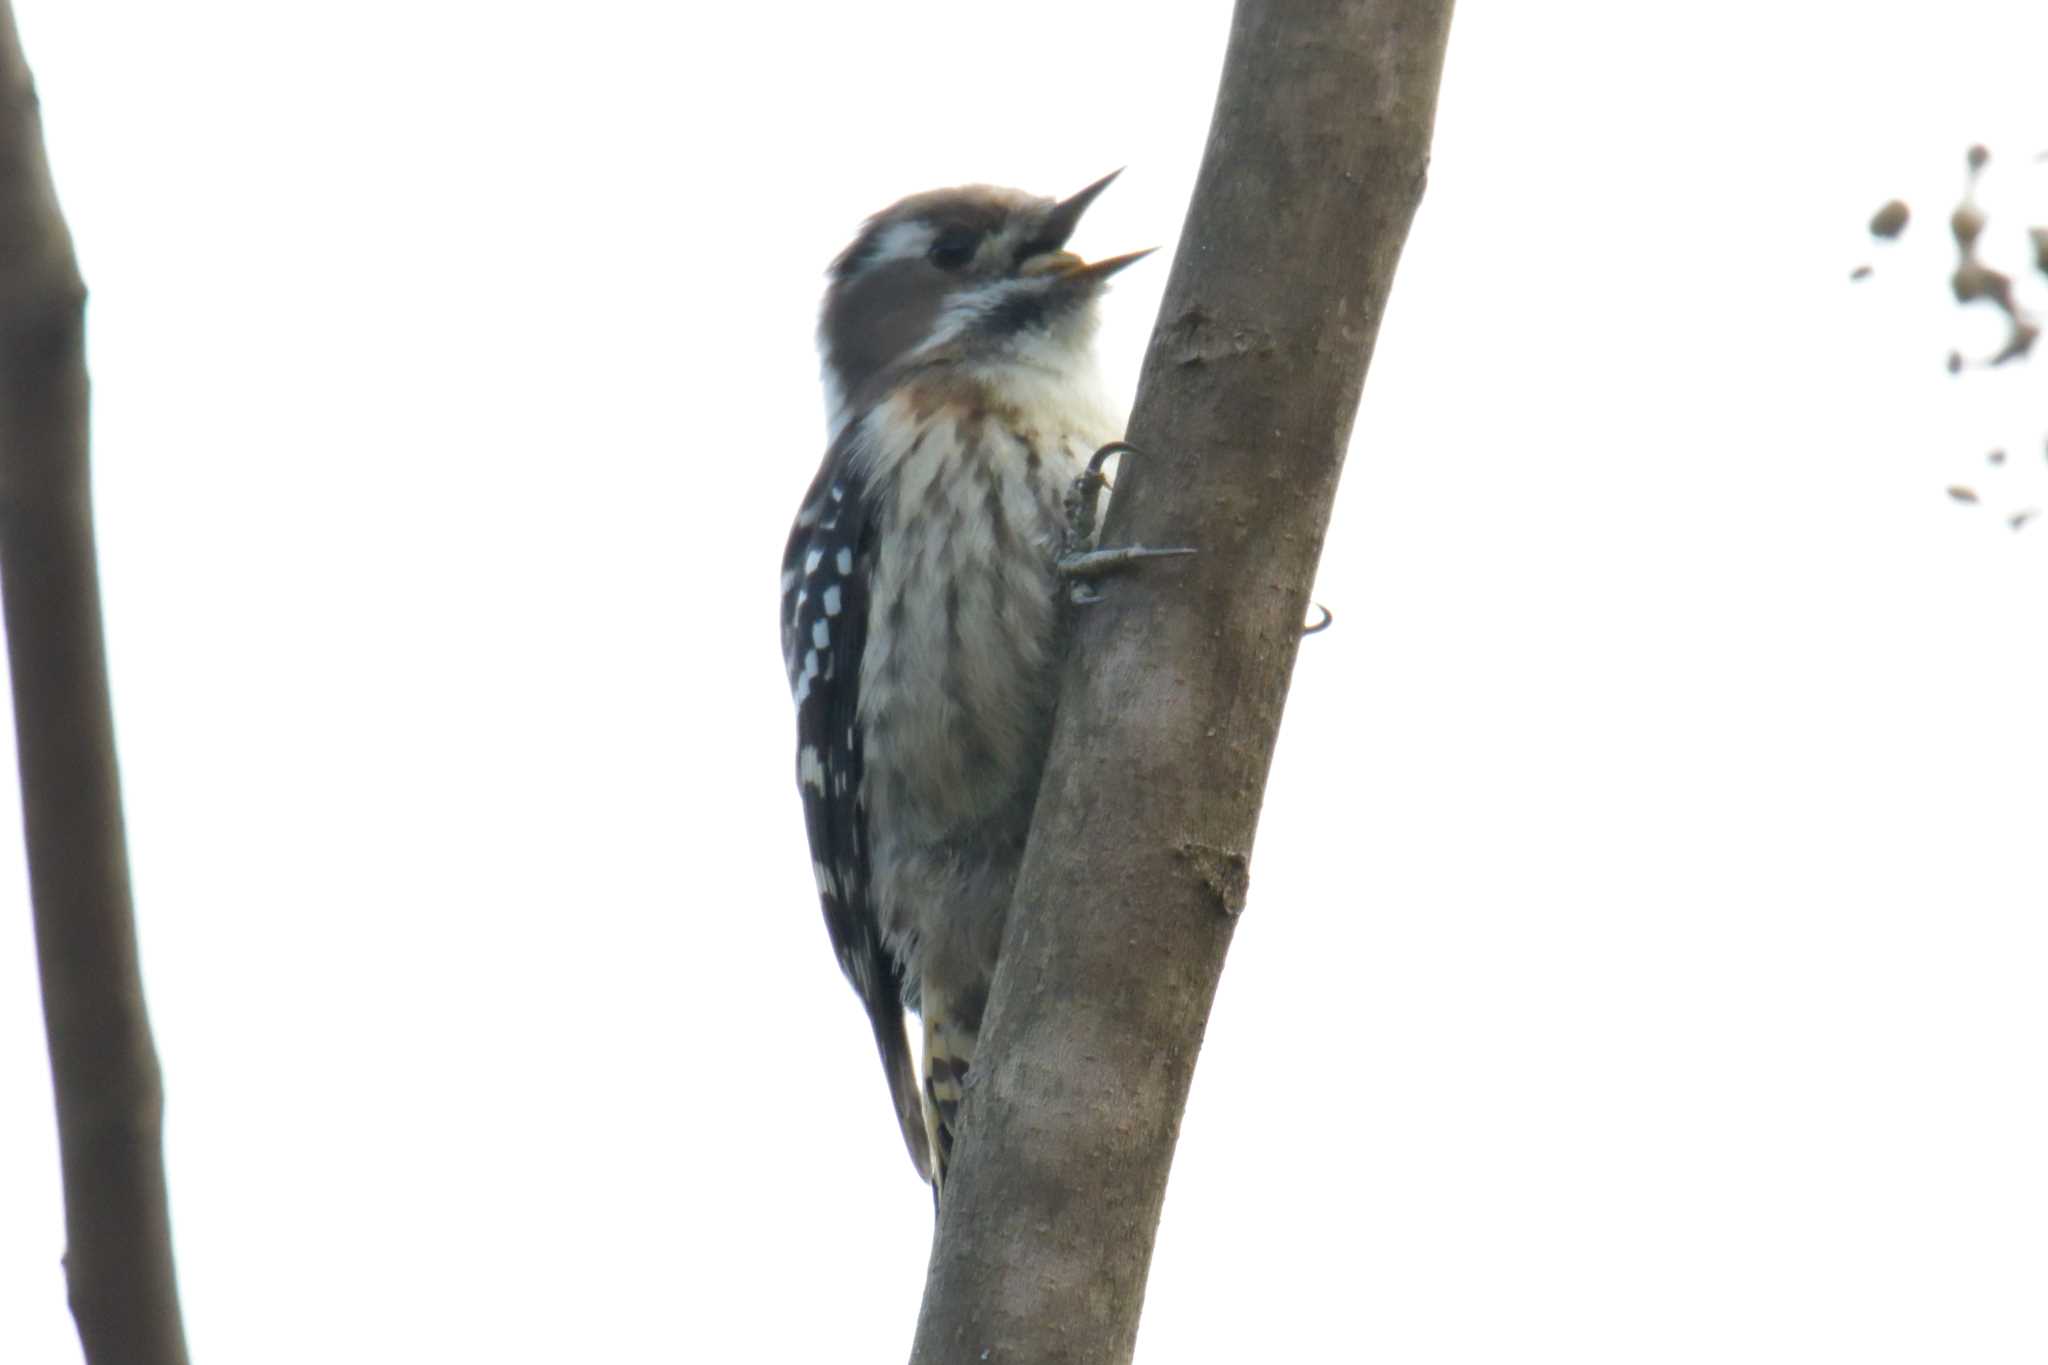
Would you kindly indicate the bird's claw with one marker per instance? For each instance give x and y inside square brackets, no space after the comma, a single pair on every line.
[1085,564]
[1077,565]
[1084,495]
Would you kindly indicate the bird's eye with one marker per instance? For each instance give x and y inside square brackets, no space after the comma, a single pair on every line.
[954,248]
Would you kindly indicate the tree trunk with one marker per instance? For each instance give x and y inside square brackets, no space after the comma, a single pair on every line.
[109,1093]
[1171,699]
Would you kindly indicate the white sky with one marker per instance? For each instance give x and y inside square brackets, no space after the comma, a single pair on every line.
[1649,928]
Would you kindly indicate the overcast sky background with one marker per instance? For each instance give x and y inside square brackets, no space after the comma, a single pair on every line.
[1649,927]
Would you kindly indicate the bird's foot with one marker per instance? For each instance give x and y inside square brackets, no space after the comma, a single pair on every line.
[1077,566]
[1084,495]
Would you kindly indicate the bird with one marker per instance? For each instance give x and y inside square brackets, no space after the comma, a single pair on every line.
[927,587]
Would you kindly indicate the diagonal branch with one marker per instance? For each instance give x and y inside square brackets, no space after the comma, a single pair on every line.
[1171,700]
[103,1063]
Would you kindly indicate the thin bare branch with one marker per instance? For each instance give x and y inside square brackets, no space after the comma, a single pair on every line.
[117,1261]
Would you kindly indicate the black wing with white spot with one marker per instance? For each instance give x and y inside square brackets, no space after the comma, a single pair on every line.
[824,629]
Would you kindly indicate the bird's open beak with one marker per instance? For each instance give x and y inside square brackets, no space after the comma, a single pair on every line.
[1109,265]
[1068,266]
[1066,215]
[1060,225]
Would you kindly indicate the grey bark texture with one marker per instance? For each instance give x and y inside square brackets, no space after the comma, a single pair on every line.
[117,1261]
[1170,703]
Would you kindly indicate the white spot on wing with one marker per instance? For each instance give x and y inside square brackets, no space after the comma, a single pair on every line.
[813,559]
[831,599]
[821,634]
[845,560]
[811,773]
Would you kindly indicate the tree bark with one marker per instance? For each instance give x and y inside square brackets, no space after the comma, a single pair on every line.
[1171,698]
[123,1287]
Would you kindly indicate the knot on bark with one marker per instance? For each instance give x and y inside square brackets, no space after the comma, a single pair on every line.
[1225,873]
[1195,338]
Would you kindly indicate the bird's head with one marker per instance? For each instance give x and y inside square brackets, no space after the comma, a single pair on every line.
[977,273]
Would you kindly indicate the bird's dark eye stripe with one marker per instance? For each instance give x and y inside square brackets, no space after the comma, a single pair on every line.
[954,248]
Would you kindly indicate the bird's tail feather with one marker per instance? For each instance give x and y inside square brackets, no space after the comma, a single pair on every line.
[948,1048]
[893,1040]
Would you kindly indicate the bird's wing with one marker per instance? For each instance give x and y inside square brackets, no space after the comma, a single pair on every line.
[824,630]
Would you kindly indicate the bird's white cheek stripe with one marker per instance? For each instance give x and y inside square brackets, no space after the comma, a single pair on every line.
[904,241]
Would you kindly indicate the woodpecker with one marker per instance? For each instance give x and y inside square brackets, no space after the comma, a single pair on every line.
[924,599]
